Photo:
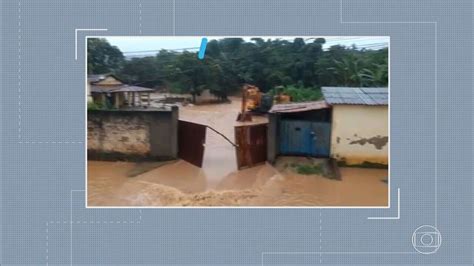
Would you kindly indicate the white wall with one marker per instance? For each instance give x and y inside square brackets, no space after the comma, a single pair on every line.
[360,134]
[89,96]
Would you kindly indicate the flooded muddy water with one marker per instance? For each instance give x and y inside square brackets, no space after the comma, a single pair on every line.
[182,184]
[219,156]
[218,183]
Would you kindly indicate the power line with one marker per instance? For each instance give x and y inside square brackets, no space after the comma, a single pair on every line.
[176,73]
[151,51]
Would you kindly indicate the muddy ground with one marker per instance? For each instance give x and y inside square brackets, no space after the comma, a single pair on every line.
[218,183]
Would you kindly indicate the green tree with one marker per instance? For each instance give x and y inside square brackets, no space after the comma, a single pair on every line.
[299,64]
[142,71]
[103,57]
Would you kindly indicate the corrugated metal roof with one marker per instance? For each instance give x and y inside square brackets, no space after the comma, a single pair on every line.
[94,78]
[91,78]
[353,95]
[119,88]
[298,107]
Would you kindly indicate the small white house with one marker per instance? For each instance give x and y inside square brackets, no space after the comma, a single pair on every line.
[359,124]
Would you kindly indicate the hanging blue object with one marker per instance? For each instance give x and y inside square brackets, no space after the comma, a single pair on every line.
[202,49]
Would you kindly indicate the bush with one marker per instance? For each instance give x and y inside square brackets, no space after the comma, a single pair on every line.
[299,94]
[176,87]
[94,106]
[312,169]
[305,169]
[91,106]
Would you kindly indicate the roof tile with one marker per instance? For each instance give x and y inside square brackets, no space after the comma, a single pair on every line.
[355,96]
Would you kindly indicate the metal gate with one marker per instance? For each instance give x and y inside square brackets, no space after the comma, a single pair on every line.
[191,139]
[305,138]
[251,143]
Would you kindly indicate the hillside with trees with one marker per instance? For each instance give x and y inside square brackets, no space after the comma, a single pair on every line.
[299,67]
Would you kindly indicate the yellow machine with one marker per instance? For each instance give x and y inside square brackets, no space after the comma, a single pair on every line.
[251,98]
[254,101]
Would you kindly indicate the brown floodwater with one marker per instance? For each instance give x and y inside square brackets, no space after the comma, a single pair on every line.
[218,183]
[219,156]
[182,184]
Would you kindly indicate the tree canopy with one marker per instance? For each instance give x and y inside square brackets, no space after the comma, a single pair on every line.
[103,57]
[299,66]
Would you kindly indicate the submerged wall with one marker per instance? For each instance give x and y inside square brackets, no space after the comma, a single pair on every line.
[360,134]
[132,134]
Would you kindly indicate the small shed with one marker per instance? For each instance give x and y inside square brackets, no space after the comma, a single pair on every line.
[302,129]
[359,124]
[107,89]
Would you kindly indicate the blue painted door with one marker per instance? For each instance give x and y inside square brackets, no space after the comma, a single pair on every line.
[306,138]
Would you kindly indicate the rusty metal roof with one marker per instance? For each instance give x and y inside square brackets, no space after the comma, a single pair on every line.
[94,78]
[298,107]
[119,88]
[355,96]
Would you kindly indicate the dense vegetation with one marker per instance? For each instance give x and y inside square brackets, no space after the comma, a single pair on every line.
[296,67]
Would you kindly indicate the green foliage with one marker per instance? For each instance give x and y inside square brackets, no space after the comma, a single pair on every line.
[175,87]
[309,169]
[94,106]
[103,57]
[312,169]
[299,94]
[91,106]
[364,164]
[300,66]
[341,66]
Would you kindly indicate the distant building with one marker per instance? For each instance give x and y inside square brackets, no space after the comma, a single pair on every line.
[108,90]
[205,96]
[349,125]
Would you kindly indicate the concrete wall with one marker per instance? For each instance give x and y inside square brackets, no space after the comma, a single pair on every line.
[360,134]
[132,134]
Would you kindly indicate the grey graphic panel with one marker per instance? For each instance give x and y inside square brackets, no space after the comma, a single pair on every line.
[43,219]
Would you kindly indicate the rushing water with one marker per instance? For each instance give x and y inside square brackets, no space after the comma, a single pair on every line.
[182,184]
[218,183]
[219,156]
